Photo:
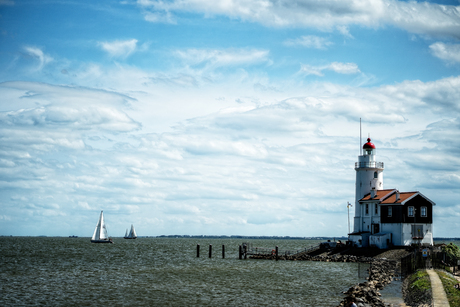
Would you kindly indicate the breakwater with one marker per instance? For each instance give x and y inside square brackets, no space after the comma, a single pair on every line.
[381,273]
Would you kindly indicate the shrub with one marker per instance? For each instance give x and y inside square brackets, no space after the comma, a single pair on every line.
[452,253]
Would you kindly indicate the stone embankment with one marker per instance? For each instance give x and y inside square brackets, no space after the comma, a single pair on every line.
[381,272]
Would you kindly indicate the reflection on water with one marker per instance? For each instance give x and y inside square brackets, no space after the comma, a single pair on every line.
[392,293]
[163,271]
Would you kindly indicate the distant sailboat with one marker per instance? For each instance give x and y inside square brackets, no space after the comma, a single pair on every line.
[132,234]
[100,233]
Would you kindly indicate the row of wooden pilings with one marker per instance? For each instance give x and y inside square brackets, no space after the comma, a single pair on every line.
[210,251]
[242,253]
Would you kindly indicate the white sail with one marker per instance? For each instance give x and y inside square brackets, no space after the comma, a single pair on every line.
[132,233]
[103,234]
[100,233]
[126,233]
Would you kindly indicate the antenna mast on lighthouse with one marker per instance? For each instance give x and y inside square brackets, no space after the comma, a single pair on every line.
[360,139]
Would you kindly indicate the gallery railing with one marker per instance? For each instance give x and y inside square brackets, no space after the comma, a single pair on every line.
[372,164]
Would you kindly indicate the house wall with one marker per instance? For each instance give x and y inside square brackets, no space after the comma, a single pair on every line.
[427,234]
[395,230]
[361,240]
[380,241]
[400,212]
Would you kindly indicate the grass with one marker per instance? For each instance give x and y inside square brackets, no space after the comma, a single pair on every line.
[418,289]
[449,281]
[420,281]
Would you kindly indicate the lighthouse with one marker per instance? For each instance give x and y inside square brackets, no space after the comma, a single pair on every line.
[369,178]
[385,218]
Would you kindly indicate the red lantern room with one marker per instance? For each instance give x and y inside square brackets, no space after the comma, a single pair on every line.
[369,148]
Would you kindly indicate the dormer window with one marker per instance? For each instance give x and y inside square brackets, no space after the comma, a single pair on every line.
[410,211]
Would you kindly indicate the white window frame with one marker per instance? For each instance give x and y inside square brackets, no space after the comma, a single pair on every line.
[423,211]
[410,211]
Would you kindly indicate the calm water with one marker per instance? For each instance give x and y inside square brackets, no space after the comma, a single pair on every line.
[163,272]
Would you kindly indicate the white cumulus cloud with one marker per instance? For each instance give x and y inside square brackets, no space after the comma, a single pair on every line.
[214,58]
[119,48]
[414,17]
[309,41]
[340,68]
[446,52]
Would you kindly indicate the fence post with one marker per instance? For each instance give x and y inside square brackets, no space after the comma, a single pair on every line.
[276,253]
[223,251]
[198,250]
[241,252]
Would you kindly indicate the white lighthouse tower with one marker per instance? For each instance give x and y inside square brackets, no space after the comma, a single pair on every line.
[369,177]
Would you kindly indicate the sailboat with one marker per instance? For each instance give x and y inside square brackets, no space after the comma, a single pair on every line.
[132,233]
[100,233]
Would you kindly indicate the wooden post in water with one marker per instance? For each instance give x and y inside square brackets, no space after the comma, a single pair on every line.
[241,252]
[276,253]
[210,250]
[223,251]
[198,250]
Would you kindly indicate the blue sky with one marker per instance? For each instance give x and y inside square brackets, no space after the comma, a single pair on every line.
[222,117]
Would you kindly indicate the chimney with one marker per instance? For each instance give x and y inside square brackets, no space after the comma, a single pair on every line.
[397,195]
[373,192]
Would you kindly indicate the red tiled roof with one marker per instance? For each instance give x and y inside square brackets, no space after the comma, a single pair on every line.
[389,197]
[378,195]
[402,197]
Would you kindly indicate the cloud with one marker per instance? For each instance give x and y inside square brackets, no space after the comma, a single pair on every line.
[38,54]
[446,52]
[214,58]
[160,17]
[414,17]
[213,170]
[120,49]
[340,68]
[58,117]
[309,41]
[345,31]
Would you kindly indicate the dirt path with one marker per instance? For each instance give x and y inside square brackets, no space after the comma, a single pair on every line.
[439,295]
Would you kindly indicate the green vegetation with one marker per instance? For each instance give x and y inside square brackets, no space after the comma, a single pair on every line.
[452,253]
[420,281]
[418,289]
[449,281]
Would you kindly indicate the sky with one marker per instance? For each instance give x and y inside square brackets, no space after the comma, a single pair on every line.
[235,117]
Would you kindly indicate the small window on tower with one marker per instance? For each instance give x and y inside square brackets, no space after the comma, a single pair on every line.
[376,175]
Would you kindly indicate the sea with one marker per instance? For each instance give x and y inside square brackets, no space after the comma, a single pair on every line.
[62,271]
